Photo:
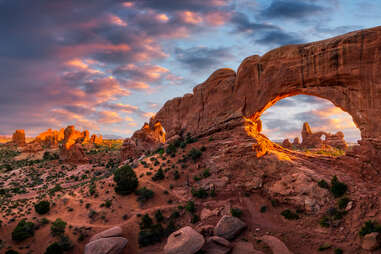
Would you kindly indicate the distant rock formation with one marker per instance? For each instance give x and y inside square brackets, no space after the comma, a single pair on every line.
[72,144]
[18,138]
[50,138]
[286,143]
[314,139]
[147,139]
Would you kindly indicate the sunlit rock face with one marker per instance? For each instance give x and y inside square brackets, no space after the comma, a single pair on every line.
[147,139]
[50,138]
[343,70]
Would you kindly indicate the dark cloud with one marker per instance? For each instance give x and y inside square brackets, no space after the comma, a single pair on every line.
[294,9]
[202,58]
[262,33]
[175,5]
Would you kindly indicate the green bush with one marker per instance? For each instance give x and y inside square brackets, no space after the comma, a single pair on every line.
[159,216]
[200,193]
[236,212]
[370,227]
[343,202]
[323,184]
[289,215]
[338,188]
[58,227]
[150,236]
[144,194]
[324,247]
[54,248]
[126,180]
[23,231]
[195,219]
[42,207]
[190,206]
[263,209]
[159,175]
[338,251]
[194,154]
[171,149]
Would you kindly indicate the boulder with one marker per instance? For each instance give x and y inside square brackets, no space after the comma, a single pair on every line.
[111,232]
[245,248]
[217,245]
[371,241]
[184,241]
[110,245]
[276,245]
[229,227]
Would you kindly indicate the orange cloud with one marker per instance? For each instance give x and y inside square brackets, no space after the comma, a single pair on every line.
[117,21]
[217,18]
[128,4]
[138,85]
[78,63]
[109,117]
[190,17]
[162,17]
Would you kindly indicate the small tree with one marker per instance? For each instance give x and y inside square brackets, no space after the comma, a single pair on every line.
[58,227]
[54,248]
[23,231]
[338,188]
[42,207]
[126,180]
[159,175]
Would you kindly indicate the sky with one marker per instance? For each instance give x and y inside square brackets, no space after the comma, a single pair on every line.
[108,65]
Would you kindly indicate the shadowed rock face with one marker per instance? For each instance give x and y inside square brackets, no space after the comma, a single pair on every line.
[344,69]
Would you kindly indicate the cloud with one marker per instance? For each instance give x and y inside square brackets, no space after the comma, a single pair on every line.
[291,9]
[109,117]
[263,33]
[202,58]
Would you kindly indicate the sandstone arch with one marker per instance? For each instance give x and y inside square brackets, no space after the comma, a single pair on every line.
[345,70]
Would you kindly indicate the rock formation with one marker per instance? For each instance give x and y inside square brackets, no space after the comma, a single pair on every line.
[96,139]
[342,70]
[148,139]
[309,139]
[286,143]
[71,149]
[18,138]
[50,138]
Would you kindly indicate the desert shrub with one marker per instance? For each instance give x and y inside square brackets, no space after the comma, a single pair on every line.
[144,194]
[176,175]
[65,243]
[236,212]
[171,149]
[335,214]
[190,206]
[325,222]
[159,216]
[54,248]
[323,184]
[263,209]
[42,207]
[159,175]
[150,236]
[338,188]
[171,227]
[324,247]
[338,251]
[11,252]
[200,193]
[23,230]
[194,154]
[343,202]
[126,180]
[370,227]
[195,219]
[58,227]
[206,173]
[289,215]
[44,221]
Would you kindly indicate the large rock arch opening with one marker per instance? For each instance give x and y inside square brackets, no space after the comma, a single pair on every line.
[345,70]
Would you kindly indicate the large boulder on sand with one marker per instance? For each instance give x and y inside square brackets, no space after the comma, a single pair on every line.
[217,245]
[229,227]
[184,241]
[110,245]
[276,245]
[371,241]
[111,232]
